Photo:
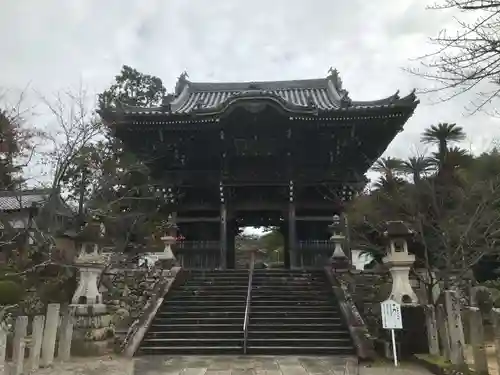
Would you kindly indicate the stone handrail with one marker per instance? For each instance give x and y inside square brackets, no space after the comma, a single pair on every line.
[140,326]
[362,339]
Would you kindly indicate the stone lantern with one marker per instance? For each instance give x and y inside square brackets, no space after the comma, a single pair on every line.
[167,257]
[93,320]
[90,263]
[399,261]
[338,258]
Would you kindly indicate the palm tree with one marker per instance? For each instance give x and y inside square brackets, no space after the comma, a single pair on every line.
[416,166]
[389,168]
[442,135]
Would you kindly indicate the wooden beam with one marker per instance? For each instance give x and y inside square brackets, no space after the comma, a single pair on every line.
[198,219]
[314,218]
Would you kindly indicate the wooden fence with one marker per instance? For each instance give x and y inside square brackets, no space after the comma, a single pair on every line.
[34,345]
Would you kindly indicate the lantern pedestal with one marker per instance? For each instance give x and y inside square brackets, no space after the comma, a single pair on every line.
[399,265]
[399,261]
[92,319]
[338,260]
[167,258]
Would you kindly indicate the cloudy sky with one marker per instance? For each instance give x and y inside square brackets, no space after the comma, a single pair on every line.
[56,44]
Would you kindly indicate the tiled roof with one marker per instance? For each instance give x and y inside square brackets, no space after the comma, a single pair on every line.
[12,201]
[306,96]
[20,200]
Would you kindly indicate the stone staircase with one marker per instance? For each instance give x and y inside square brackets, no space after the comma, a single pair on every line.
[295,312]
[291,312]
[205,315]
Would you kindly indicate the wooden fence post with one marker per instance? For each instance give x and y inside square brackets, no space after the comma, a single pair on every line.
[477,341]
[66,334]
[36,343]
[19,344]
[4,369]
[50,334]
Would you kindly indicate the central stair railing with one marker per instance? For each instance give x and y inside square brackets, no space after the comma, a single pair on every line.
[249,297]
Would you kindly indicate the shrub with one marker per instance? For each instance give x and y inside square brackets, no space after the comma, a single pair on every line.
[10,292]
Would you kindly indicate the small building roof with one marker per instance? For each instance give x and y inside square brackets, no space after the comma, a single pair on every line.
[299,96]
[22,200]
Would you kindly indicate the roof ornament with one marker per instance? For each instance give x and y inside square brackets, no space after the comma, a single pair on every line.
[334,77]
[182,81]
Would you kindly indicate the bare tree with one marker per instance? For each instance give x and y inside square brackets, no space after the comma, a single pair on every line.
[468,59]
[456,226]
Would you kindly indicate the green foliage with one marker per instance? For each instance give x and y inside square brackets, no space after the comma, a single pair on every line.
[132,87]
[451,200]
[11,292]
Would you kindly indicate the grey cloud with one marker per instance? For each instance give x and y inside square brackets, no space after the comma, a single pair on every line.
[57,43]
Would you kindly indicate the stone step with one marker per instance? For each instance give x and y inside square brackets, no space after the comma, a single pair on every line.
[213,287]
[198,320]
[192,334]
[267,297]
[255,314]
[295,342]
[203,308]
[271,303]
[322,332]
[201,314]
[295,327]
[216,327]
[294,350]
[293,319]
[302,309]
[193,298]
[196,341]
[189,350]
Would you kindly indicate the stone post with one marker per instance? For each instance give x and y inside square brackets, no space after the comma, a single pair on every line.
[66,334]
[495,319]
[477,341]
[338,259]
[443,331]
[455,327]
[4,370]
[19,344]
[432,331]
[400,261]
[36,343]
[50,334]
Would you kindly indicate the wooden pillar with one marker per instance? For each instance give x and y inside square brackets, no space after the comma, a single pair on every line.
[286,248]
[223,229]
[292,229]
[231,233]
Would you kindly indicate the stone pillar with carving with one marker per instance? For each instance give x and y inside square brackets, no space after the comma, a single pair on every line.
[339,259]
[167,257]
[92,319]
[399,261]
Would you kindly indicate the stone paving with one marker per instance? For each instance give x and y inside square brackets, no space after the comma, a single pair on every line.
[226,365]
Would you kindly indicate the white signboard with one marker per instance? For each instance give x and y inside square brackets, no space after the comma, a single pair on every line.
[391,315]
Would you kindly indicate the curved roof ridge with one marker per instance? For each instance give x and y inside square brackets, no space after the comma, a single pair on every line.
[258,85]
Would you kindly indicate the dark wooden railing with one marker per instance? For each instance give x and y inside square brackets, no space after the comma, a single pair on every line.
[248,302]
[315,253]
[198,254]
